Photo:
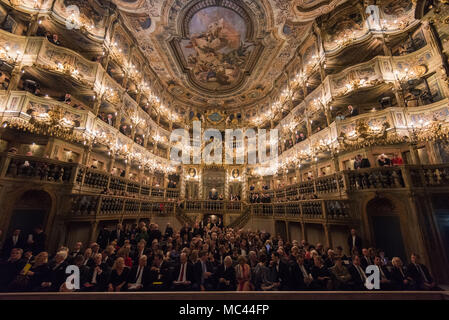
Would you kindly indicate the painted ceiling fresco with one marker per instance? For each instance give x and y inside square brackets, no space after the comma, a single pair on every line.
[221,52]
[216,50]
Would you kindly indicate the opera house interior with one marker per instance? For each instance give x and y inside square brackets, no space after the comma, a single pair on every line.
[354,95]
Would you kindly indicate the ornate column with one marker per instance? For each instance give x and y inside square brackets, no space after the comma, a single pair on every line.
[127,169]
[226,193]
[86,154]
[182,184]
[432,37]
[244,184]
[16,75]
[200,183]
[111,163]
[33,25]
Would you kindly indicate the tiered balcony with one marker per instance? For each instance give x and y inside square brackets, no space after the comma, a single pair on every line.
[314,211]
[104,207]
[79,178]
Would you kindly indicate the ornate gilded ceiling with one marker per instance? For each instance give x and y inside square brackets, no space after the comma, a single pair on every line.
[223,53]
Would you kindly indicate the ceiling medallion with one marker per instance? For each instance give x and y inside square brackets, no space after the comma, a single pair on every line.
[216,48]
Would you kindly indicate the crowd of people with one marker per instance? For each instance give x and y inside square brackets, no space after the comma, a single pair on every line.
[204,257]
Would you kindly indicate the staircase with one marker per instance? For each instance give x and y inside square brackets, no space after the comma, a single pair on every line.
[242,220]
[183,218]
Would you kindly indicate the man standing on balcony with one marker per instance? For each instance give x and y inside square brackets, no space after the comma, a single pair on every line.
[354,242]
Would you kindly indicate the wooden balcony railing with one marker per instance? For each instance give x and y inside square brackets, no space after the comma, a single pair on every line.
[324,185]
[211,206]
[311,209]
[397,177]
[35,168]
[14,166]
[106,206]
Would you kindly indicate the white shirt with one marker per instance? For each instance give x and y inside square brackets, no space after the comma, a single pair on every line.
[139,275]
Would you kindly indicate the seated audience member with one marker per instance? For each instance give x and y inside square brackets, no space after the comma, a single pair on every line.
[385,281]
[341,275]
[399,278]
[75,252]
[204,276]
[98,275]
[420,274]
[226,276]
[139,251]
[57,271]
[262,275]
[358,275]
[39,272]
[119,276]
[10,269]
[159,274]
[139,275]
[279,272]
[184,274]
[365,259]
[243,275]
[88,257]
[322,278]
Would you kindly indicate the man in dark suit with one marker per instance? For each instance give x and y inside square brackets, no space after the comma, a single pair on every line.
[420,274]
[154,233]
[168,231]
[185,230]
[36,240]
[358,275]
[57,271]
[203,272]
[159,274]
[16,240]
[10,269]
[183,275]
[354,241]
[385,276]
[297,273]
[139,276]
[103,237]
[118,234]
[226,276]
[98,275]
[279,272]
[84,270]
[138,252]
[365,259]
[75,252]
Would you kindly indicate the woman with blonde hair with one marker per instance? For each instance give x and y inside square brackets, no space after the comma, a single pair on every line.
[124,253]
[32,276]
[243,275]
[119,276]
[39,272]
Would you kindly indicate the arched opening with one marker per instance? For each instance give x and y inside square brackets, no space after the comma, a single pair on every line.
[386,227]
[29,211]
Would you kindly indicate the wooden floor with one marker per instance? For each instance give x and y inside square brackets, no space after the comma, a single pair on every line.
[316,295]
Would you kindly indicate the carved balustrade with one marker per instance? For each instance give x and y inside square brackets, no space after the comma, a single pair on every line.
[107,206]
